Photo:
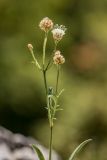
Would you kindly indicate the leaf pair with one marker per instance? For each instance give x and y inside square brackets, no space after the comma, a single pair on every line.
[73,155]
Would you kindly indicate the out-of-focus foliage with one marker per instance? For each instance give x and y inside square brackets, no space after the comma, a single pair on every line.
[84,76]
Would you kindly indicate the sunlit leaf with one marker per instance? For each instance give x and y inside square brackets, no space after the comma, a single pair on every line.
[79,148]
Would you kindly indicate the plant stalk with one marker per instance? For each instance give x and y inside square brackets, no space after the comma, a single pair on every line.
[45,81]
[50,61]
[35,60]
[50,145]
[57,79]
[44,49]
[44,55]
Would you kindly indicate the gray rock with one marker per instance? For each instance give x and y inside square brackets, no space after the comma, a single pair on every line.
[18,147]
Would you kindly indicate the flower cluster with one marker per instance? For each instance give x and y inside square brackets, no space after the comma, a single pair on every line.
[58,58]
[58,31]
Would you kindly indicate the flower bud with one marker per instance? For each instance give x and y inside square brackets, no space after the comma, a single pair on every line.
[30,47]
[58,32]
[46,24]
[58,58]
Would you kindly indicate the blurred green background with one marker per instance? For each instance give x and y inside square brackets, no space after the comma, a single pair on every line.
[84,76]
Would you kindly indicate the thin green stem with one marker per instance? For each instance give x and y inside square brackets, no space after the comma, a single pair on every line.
[44,50]
[35,60]
[44,55]
[57,79]
[45,81]
[50,61]
[50,145]
[55,47]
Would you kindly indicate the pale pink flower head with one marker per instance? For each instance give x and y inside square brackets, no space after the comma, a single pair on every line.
[46,24]
[58,58]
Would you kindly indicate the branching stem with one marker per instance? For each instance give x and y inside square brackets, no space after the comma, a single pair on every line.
[44,55]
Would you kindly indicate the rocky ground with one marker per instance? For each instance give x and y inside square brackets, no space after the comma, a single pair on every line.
[17,147]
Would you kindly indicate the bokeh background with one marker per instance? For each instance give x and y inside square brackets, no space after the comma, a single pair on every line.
[84,75]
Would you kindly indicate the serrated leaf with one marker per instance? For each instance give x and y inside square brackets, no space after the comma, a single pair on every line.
[38,152]
[79,148]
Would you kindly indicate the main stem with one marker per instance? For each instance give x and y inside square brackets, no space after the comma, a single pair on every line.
[44,55]
[50,145]
[51,127]
[44,70]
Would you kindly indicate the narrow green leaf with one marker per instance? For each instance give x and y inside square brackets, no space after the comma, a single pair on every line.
[79,148]
[60,93]
[38,152]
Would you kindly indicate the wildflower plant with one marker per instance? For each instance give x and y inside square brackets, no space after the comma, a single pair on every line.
[52,94]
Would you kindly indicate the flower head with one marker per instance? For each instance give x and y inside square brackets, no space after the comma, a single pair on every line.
[46,24]
[58,58]
[58,32]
